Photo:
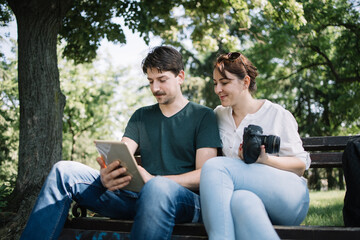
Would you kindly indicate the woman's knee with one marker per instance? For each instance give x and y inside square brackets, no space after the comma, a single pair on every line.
[214,163]
[244,201]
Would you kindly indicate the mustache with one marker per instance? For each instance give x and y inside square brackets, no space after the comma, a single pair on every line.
[159,93]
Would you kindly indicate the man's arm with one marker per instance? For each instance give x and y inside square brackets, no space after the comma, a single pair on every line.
[191,180]
[132,145]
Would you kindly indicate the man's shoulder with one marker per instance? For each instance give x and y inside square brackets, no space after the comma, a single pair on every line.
[148,108]
[199,107]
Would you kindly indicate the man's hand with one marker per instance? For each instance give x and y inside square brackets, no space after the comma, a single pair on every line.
[111,175]
[145,174]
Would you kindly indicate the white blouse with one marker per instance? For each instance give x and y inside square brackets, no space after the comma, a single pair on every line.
[274,120]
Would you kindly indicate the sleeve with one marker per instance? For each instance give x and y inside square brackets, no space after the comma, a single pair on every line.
[132,128]
[290,142]
[208,131]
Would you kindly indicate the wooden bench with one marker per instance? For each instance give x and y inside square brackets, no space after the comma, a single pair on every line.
[325,152]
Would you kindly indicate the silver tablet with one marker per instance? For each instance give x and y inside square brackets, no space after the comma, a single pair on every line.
[118,151]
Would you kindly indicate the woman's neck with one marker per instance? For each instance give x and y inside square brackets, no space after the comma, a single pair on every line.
[248,106]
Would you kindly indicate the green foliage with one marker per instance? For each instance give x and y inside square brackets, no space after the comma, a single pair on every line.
[89,95]
[88,22]
[5,13]
[5,17]
[205,23]
[308,69]
[4,193]
[100,99]
[9,125]
[325,208]
[306,52]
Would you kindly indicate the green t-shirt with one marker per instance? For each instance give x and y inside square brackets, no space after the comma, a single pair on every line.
[168,144]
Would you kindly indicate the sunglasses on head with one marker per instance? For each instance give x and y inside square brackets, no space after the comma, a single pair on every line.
[232,56]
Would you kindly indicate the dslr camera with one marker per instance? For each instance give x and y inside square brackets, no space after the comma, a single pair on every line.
[253,139]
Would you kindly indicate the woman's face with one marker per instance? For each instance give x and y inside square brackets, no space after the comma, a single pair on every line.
[230,89]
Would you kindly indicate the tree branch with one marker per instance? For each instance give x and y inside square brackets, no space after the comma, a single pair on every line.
[301,69]
[328,61]
[245,29]
[332,68]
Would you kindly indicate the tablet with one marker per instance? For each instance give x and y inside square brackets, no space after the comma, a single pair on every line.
[115,150]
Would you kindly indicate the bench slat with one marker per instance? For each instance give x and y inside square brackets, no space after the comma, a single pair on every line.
[326,159]
[325,143]
[324,152]
[317,232]
[197,230]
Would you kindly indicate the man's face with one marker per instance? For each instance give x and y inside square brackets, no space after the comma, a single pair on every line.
[165,86]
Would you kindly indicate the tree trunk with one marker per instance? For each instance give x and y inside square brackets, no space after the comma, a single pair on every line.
[341,179]
[330,179]
[314,181]
[41,100]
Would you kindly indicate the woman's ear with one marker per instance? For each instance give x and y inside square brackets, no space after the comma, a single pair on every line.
[246,81]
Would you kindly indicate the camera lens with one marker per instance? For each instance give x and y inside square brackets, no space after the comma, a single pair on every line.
[272,143]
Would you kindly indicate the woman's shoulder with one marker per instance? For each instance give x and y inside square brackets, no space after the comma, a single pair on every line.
[222,110]
[280,113]
[275,107]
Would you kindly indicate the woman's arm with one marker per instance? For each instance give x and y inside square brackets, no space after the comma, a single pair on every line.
[291,164]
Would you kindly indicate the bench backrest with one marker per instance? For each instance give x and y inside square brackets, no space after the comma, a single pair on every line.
[326,151]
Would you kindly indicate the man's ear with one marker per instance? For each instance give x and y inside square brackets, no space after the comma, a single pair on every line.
[181,76]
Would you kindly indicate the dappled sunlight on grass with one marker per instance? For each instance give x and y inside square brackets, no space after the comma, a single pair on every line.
[325,208]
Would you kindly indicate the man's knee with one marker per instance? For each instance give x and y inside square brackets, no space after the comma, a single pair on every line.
[63,170]
[159,192]
[64,165]
[160,186]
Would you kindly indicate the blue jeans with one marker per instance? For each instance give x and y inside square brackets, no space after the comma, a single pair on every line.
[155,209]
[243,201]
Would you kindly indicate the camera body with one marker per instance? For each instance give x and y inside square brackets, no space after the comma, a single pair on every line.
[253,138]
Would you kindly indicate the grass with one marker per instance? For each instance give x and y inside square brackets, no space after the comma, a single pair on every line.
[325,208]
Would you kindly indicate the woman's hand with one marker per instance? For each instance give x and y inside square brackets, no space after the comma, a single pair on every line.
[263,157]
[241,154]
[113,176]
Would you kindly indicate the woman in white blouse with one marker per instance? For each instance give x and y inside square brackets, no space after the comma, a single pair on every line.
[244,201]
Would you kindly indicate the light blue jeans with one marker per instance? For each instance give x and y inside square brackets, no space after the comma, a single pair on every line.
[243,201]
[155,210]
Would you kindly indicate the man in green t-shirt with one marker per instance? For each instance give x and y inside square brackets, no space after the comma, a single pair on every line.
[175,138]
